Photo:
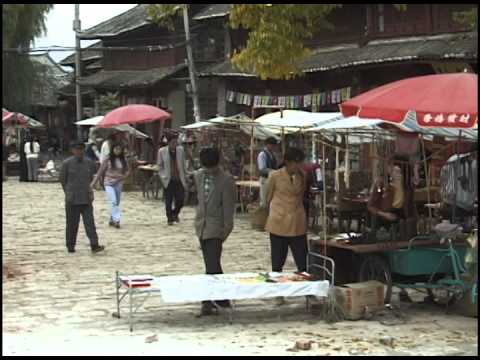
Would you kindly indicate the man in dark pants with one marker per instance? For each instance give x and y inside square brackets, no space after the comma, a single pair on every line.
[214,217]
[76,174]
[173,171]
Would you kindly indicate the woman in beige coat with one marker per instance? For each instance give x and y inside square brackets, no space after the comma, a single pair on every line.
[287,223]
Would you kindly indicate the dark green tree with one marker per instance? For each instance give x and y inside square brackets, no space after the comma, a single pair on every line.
[21,24]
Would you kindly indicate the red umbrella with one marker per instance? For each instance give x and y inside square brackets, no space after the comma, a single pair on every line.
[6,115]
[133,114]
[12,118]
[446,100]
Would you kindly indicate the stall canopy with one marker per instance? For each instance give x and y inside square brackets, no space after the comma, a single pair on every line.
[411,124]
[352,122]
[296,120]
[241,120]
[94,121]
[19,119]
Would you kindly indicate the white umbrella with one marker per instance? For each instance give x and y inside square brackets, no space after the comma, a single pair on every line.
[125,128]
[197,125]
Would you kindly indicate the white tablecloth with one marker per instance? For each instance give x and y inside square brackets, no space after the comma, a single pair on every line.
[195,288]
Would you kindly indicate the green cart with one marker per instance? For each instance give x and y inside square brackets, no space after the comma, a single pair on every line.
[439,269]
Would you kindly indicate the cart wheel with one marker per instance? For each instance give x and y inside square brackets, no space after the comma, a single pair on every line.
[375,267]
[441,297]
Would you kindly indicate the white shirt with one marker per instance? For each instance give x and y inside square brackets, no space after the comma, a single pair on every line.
[36,150]
[105,150]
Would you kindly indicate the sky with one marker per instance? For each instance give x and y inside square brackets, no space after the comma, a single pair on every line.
[60,24]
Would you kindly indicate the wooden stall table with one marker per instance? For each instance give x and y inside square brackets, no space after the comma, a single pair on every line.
[349,257]
[150,180]
[245,184]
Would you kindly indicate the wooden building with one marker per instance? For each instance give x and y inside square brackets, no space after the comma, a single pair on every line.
[371,44]
[46,107]
[146,63]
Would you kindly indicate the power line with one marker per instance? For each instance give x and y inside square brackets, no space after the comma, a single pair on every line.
[149,48]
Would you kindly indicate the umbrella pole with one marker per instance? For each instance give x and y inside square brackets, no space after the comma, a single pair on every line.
[455,172]
[427,178]
[324,217]
[251,153]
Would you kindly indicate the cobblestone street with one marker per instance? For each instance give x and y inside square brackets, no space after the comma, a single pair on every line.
[60,303]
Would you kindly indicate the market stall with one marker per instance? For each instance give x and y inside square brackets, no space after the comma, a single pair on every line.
[428,258]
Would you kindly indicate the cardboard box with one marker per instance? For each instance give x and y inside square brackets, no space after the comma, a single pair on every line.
[353,298]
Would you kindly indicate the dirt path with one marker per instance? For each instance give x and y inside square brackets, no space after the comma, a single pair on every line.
[59,303]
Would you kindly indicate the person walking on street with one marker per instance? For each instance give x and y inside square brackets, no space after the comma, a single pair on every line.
[287,221]
[266,163]
[32,149]
[173,172]
[76,176]
[114,170]
[214,215]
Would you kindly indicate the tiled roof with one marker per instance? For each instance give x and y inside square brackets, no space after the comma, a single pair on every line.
[86,55]
[441,47]
[50,78]
[129,78]
[129,20]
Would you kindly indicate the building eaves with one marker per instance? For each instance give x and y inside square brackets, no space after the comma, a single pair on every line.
[127,21]
[122,79]
[87,54]
[430,48]
[214,11]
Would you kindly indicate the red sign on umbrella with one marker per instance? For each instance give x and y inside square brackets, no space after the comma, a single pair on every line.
[445,100]
[133,114]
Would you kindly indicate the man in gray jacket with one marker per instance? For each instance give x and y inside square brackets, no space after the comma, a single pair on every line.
[173,172]
[215,213]
[76,174]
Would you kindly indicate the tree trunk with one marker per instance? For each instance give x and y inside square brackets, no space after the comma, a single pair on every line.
[191,65]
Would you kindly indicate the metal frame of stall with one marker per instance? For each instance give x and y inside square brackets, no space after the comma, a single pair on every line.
[328,268]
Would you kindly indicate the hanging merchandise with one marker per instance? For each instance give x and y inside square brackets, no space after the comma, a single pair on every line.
[230,96]
[338,98]
[346,174]
[333,96]
[313,101]
[307,101]
[323,99]
[337,169]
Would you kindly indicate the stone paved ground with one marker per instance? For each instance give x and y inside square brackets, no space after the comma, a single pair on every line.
[59,303]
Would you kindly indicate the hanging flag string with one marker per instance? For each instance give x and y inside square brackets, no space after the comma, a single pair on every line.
[308,101]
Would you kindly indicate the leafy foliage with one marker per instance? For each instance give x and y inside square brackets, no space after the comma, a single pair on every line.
[163,14]
[22,23]
[468,17]
[108,102]
[276,43]
[275,46]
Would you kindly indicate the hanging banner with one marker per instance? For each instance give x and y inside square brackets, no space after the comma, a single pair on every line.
[308,101]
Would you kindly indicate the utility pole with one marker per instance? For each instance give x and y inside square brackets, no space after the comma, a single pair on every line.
[77,27]
[191,65]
